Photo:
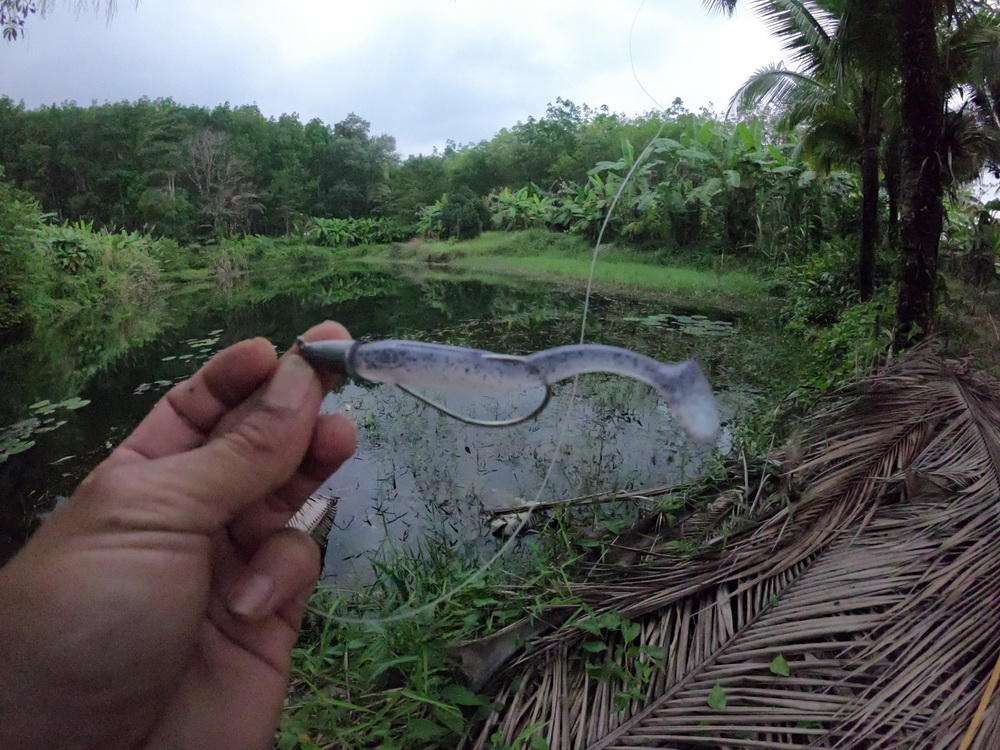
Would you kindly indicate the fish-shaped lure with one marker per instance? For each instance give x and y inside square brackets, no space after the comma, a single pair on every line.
[410,364]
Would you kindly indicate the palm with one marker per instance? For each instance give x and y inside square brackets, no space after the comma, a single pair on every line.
[927,51]
[231,691]
[841,87]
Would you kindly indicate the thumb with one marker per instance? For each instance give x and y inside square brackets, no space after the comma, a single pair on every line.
[252,457]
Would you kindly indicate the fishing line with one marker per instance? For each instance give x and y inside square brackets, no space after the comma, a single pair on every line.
[563,420]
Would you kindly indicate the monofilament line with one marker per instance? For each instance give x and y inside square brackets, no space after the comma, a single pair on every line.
[563,421]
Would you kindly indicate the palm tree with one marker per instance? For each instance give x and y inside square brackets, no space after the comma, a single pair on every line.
[841,88]
[929,136]
[940,146]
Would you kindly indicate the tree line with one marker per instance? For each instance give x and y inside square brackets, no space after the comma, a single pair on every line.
[189,172]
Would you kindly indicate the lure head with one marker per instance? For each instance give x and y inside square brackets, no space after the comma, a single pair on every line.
[331,355]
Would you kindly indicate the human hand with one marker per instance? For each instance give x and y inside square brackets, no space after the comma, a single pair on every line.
[159,605]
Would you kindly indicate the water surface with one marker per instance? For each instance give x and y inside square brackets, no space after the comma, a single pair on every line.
[416,472]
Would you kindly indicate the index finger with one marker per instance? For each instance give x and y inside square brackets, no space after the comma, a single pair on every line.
[185,417]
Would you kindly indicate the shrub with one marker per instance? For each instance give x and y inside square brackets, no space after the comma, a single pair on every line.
[347,232]
[21,267]
[464,216]
[102,267]
[855,345]
[846,337]
[819,289]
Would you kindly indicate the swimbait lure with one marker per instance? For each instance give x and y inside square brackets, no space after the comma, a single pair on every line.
[409,364]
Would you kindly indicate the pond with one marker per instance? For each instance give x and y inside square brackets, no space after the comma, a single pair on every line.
[73,392]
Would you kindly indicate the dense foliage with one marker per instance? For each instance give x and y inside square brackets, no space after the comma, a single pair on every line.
[19,266]
[190,172]
[702,183]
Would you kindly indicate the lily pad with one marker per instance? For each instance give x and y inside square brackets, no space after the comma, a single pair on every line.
[40,404]
[692,325]
[168,359]
[13,449]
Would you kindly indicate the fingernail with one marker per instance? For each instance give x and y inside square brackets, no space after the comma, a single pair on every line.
[250,598]
[291,383]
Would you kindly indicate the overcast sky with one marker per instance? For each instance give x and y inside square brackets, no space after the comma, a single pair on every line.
[424,71]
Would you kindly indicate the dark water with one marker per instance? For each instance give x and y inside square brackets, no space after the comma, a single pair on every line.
[416,472]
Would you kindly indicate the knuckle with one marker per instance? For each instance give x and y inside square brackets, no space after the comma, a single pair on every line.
[257,436]
[99,485]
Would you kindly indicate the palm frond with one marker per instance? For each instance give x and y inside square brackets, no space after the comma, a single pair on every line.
[830,145]
[967,145]
[776,84]
[316,517]
[720,6]
[971,52]
[864,45]
[820,104]
[858,611]
[804,28]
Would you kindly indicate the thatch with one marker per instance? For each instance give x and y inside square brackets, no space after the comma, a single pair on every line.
[316,517]
[874,573]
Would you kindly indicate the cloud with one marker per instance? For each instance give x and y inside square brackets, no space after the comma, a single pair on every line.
[423,70]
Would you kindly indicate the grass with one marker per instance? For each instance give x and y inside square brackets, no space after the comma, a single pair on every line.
[538,254]
[618,271]
[390,684]
[360,680]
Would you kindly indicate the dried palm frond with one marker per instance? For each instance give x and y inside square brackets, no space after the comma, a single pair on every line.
[315,517]
[859,612]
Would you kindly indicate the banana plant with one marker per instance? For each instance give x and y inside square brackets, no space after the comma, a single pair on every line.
[520,209]
[429,224]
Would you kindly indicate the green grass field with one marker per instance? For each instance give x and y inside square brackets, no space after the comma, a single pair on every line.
[546,255]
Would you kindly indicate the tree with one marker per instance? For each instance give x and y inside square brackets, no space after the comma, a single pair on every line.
[149,165]
[922,185]
[13,13]
[915,32]
[936,142]
[220,180]
[842,89]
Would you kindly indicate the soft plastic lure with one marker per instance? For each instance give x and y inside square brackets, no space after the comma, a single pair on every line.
[409,364]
